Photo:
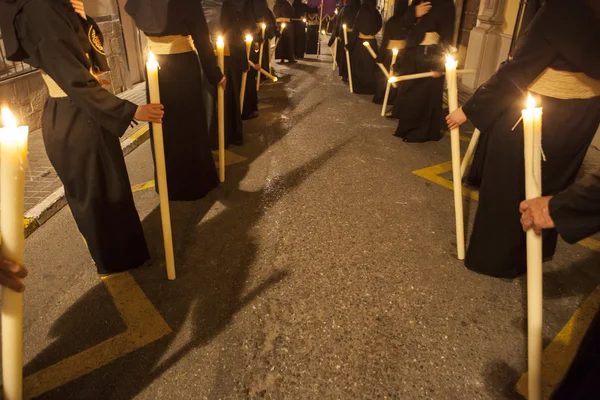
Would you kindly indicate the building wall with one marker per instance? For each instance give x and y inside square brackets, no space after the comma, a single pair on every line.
[26,95]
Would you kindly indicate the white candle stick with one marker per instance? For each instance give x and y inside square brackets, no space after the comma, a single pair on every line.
[13,159]
[470,151]
[221,109]
[161,167]
[283,25]
[334,53]
[452,84]
[265,73]
[348,63]
[421,75]
[532,129]
[249,41]
[260,55]
[389,84]
[320,29]
[387,74]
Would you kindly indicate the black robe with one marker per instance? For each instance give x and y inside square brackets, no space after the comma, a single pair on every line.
[285,47]
[364,69]
[301,12]
[191,171]
[259,11]
[393,30]
[232,25]
[81,132]
[347,16]
[418,104]
[562,37]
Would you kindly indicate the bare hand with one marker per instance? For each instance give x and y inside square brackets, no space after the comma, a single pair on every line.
[535,214]
[422,9]
[12,275]
[456,119]
[150,112]
[436,74]
[257,67]
[223,83]
[79,8]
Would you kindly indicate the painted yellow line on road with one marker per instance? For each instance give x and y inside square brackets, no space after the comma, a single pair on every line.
[142,131]
[144,326]
[433,174]
[143,186]
[558,355]
[591,244]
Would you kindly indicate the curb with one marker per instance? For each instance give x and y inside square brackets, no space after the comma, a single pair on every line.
[38,215]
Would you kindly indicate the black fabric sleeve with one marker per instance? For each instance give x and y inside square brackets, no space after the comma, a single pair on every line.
[52,42]
[576,210]
[409,18]
[199,31]
[530,58]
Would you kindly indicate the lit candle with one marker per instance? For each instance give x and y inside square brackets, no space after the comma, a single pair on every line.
[221,108]
[345,27]
[334,53]
[265,73]
[260,54]
[532,130]
[249,40]
[304,20]
[452,84]
[13,159]
[320,28]
[161,169]
[389,84]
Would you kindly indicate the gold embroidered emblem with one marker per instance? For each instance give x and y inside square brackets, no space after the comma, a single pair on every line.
[95,40]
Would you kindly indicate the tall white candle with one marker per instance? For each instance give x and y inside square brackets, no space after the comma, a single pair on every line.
[221,108]
[161,168]
[389,84]
[345,27]
[260,54]
[374,56]
[249,40]
[335,50]
[452,84]
[13,159]
[320,29]
[532,130]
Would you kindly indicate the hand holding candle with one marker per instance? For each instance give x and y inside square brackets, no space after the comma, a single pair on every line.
[13,159]
[161,168]
[532,130]
[389,84]
[451,65]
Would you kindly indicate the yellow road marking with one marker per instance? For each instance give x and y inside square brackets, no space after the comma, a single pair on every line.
[142,131]
[143,186]
[144,326]
[559,354]
[433,174]
[591,244]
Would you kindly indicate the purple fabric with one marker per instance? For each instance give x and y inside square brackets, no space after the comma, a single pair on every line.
[328,6]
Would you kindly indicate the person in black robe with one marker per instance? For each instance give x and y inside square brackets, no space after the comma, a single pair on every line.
[418,103]
[301,11]
[81,125]
[347,16]
[232,24]
[394,36]
[172,27]
[561,41]
[259,12]
[575,213]
[364,70]
[475,172]
[284,12]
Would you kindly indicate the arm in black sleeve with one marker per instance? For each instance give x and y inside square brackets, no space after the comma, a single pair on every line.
[54,44]
[576,210]
[531,57]
[409,18]
[199,31]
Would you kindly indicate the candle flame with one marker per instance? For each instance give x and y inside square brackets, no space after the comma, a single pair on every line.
[345,26]
[274,79]
[283,25]
[220,41]
[393,79]
[450,59]
[152,59]
[8,118]
[395,51]
[249,38]
[366,44]
[304,20]
[264,26]
[336,11]
[531,104]
[323,32]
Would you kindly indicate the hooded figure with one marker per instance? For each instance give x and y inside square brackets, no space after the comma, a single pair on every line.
[418,103]
[233,25]
[259,12]
[394,35]
[284,12]
[301,11]
[178,35]
[81,125]
[364,70]
[347,16]
[558,61]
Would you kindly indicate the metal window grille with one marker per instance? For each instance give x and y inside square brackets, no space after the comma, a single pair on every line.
[10,69]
